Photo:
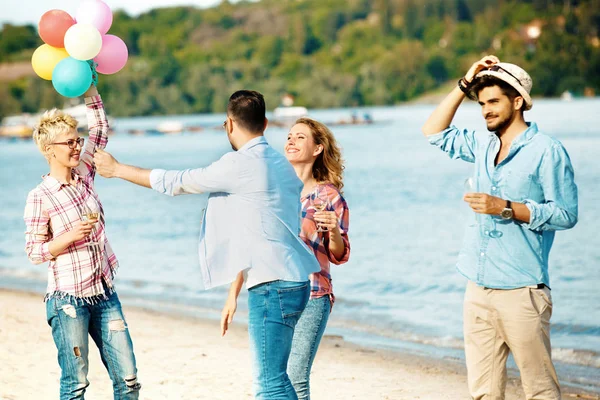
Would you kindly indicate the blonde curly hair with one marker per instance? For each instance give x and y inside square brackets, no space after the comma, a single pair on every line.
[329,165]
[51,124]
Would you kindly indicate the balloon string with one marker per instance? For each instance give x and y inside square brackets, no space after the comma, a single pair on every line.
[93,64]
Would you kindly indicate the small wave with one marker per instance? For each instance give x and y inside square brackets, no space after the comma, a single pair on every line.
[587,358]
[575,329]
[24,274]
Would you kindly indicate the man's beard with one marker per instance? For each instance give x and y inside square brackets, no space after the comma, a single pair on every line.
[502,124]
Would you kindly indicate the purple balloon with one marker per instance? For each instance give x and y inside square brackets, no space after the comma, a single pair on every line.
[113,55]
[95,12]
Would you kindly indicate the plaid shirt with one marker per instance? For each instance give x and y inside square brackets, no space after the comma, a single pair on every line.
[53,208]
[320,282]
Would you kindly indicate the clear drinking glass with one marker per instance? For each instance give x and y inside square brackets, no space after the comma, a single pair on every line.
[470,188]
[320,201]
[92,216]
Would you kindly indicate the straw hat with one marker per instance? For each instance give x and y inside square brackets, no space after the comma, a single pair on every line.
[512,74]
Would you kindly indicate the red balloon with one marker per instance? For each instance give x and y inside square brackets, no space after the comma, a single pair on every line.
[53,26]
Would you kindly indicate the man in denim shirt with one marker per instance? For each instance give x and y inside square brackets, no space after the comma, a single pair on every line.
[249,233]
[524,191]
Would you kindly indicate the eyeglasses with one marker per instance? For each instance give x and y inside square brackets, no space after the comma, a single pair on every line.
[498,68]
[72,143]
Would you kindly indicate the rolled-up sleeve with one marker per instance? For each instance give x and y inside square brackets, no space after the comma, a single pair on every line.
[456,143]
[560,207]
[98,134]
[37,234]
[343,213]
[220,176]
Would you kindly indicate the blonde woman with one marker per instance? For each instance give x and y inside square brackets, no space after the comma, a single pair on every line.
[65,227]
[312,150]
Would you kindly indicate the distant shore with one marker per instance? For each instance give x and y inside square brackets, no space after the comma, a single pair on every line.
[185,358]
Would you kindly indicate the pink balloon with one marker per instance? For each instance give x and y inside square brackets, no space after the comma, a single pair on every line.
[95,12]
[113,55]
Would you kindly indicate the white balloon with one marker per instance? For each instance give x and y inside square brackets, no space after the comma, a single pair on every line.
[95,12]
[83,41]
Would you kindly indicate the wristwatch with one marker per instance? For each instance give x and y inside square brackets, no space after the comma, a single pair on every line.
[507,212]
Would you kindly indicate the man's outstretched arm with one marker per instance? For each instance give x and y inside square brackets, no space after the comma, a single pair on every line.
[108,167]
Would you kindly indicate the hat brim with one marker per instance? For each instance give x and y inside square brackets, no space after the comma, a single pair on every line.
[508,79]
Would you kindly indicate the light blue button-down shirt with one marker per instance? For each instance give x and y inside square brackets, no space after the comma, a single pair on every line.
[252,219]
[508,254]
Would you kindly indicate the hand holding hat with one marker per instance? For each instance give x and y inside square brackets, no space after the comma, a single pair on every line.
[479,66]
[512,74]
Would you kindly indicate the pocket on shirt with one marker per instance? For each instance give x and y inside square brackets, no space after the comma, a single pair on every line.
[517,185]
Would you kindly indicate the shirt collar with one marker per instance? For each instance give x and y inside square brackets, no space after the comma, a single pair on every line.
[527,135]
[54,185]
[523,137]
[254,142]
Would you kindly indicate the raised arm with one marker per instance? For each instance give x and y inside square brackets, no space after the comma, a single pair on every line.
[442,116]
[98,130]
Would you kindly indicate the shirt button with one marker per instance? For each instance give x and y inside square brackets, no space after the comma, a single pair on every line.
[494,188]
[487,233]
[482,254]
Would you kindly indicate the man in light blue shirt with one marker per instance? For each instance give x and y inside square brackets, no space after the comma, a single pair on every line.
[523,192]
[249,232]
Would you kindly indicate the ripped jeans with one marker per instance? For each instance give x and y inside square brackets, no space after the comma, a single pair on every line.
[73,321]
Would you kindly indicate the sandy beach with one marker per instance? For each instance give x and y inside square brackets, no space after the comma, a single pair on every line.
[185,358]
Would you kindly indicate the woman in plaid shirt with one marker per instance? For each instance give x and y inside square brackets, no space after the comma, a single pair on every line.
[313,152]
[65,227]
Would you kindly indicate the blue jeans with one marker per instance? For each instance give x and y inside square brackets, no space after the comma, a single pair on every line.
[307,336]
[72,320]
[273,311]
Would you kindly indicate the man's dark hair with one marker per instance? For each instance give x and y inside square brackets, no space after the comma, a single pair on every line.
[247,109]
[489,81]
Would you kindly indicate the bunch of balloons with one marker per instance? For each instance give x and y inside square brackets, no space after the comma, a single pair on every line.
[71,42]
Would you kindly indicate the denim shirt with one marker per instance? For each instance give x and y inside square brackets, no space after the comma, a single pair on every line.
[508,254]
[252,220]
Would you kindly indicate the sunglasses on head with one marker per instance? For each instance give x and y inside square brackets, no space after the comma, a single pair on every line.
[498,68]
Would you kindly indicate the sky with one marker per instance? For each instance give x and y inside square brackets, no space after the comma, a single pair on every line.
[19,12]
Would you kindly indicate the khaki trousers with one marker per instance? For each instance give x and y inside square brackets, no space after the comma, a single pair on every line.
[498,321]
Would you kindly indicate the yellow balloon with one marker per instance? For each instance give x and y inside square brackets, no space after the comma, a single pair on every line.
[45,58]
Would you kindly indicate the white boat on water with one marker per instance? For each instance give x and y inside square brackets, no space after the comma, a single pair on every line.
[282,114]
[21,126]
[18,126]
[566,96]
[79,113]
[287,113]
[170,127]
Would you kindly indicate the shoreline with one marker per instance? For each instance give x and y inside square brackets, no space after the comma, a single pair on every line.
[184,357]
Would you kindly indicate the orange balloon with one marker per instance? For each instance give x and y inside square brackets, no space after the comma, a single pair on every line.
[53,25]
